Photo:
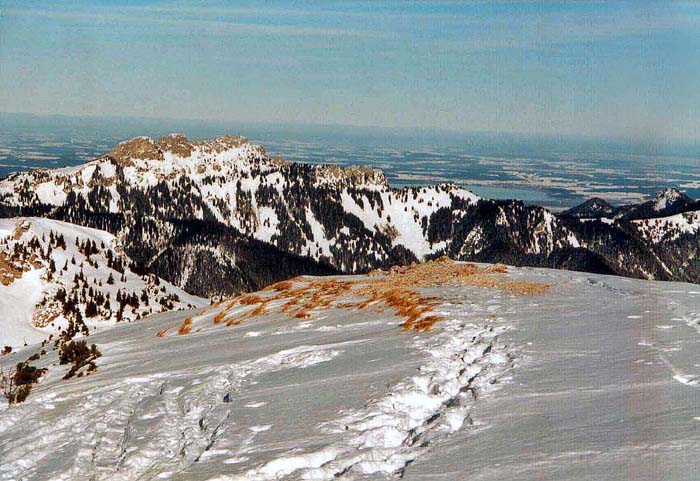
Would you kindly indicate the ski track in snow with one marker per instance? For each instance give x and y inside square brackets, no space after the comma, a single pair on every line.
[182,414]
[388,434]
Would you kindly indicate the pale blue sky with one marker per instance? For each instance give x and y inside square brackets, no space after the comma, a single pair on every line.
[589,68]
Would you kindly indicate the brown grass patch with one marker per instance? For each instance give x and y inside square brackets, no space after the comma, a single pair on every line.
[279,286]
[521,288]
[260,309]
[220,317]
[186,327]
[249,299]
[395,291]
[244,300]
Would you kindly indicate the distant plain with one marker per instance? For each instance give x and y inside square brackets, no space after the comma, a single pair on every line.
[553,172]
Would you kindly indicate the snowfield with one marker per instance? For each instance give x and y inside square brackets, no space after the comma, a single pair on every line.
[595,378]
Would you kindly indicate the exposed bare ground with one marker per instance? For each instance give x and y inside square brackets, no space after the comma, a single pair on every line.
[9,271]
[12,269]
[395,291]
[46,314]
[20,229]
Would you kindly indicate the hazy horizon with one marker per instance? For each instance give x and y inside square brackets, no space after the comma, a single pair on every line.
[552,171]
[130,126]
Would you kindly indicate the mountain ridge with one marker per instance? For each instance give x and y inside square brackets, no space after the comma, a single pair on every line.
[225,208]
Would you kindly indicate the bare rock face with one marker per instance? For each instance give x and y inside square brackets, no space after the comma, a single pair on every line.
[279,161]
[178,144]
[224,142]
[136,148]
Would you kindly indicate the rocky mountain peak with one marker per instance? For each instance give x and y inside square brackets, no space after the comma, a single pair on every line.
[221,143]
[178,144]
[137,148]
[145,148]
[594,207]
[668,198]
[356,175]
[175,152]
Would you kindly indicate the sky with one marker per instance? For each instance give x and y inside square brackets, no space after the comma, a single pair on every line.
[612,69]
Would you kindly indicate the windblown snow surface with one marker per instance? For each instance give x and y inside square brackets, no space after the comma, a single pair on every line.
[595,379]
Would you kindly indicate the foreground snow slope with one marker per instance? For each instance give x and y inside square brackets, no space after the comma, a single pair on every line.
[608,387]
[595,378]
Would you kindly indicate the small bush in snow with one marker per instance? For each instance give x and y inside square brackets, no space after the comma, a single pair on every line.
[16,384]
[78,354]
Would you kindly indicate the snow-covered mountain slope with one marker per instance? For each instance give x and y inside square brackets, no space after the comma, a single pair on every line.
[221,216]
[592,208]
[235,183]
[670,228]
[438,371]
[56,277]
[187,208]
[666,203]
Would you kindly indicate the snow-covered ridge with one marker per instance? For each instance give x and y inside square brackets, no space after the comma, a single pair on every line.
[346,391]
[196,213]
[226,171]
[55,273]
[670,228]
